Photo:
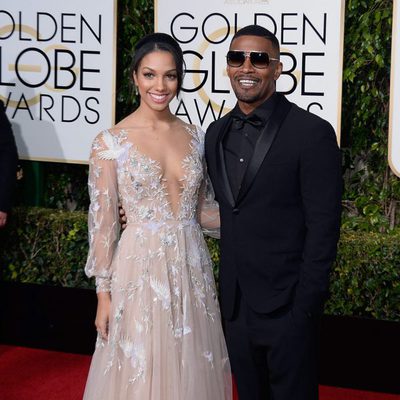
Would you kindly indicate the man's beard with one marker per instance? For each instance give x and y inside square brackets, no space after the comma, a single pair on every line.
[247,97]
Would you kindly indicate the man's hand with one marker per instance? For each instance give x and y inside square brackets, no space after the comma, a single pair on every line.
[3,219]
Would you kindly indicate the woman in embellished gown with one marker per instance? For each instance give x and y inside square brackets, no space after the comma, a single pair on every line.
[158,319]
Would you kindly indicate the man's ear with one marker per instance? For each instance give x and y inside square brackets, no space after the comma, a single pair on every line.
[278,70]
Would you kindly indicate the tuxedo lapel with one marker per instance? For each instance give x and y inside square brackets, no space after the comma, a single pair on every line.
[220,162]
[263,144]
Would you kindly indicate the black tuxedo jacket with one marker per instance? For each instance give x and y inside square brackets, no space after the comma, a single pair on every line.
[279,235]
[8,161]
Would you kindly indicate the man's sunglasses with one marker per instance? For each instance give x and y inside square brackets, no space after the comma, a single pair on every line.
[259,59]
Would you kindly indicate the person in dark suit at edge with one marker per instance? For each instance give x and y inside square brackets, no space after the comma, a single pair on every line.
[276,173]
[8,165]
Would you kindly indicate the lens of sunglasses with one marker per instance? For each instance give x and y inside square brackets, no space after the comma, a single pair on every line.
[235,58]
[258,59]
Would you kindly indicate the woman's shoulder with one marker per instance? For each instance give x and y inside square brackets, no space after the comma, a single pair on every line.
[110,136]
[107,143]
[194,130]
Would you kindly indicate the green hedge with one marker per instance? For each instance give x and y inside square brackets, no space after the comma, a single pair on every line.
[49,247]
[366,276]
[45,246]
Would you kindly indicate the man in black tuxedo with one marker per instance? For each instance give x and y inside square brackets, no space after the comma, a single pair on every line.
[276,172]
[8,165]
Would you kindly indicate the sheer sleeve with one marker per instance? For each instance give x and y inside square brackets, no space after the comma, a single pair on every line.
[103,220]
[208,208]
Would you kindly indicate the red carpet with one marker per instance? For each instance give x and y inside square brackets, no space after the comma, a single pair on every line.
[31,374]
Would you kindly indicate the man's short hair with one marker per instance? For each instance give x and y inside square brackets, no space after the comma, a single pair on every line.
[257,30]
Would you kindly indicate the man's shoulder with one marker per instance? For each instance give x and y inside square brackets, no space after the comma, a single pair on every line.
[307,119]
[215,127]
[219,122]
[308,127]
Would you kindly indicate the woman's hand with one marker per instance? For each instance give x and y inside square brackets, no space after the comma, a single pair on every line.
[103,314]
[122,216]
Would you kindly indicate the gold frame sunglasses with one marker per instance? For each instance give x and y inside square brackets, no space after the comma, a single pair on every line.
[259,59]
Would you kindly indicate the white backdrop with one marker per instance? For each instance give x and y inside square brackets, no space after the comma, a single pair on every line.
[394,114]
[310,33]
[57,74]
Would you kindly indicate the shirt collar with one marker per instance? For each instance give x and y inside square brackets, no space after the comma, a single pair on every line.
[262,112]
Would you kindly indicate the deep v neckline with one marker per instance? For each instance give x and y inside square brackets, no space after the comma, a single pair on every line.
[176,213]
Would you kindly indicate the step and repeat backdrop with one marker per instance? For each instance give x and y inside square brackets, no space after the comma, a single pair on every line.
[57,75]
[57,65]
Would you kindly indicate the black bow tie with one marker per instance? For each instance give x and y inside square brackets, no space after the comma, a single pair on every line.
[240,120]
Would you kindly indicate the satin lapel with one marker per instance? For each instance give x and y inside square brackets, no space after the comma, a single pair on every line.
[221,166]
[264,143]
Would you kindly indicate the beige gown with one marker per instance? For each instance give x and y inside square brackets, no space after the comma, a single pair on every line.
[165,337]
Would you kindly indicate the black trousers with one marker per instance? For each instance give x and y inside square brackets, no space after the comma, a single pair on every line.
[273,356]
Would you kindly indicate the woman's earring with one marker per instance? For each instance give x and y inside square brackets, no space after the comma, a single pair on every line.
[136,90]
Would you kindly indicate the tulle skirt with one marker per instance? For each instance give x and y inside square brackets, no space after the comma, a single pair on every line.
[165,336]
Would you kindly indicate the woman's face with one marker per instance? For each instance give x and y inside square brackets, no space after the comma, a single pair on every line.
[156,80]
